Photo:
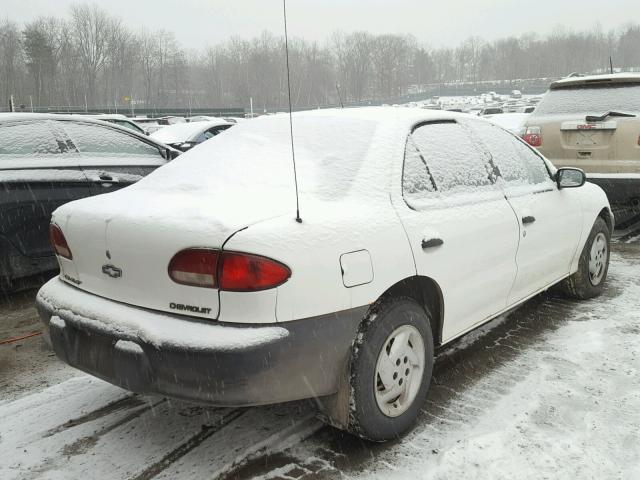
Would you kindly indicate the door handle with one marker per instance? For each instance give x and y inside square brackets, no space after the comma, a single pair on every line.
[528,219]
[106,179]
[431,242]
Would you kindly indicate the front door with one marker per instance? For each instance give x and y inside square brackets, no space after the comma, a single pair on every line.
[112,159]
[550,220]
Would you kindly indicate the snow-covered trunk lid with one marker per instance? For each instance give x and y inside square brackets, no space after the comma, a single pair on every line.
[122,244]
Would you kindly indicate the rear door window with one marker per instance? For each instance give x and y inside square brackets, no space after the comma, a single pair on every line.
[444,158]
[29,139]
[99,140]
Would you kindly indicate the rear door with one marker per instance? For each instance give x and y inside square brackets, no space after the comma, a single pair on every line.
[39,171]
[112,158]
[462,231]
[550,220]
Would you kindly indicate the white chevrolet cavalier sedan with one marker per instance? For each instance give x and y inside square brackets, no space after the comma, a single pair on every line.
[417,226]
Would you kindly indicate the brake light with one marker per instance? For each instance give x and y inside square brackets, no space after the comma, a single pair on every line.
[197,267]
[533,136]
[230,271]
[59,243]
[242,272]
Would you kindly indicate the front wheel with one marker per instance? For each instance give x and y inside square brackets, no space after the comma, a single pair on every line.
[390,370]
[593,266]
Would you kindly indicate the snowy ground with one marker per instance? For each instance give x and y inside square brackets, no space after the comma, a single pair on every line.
[551,391]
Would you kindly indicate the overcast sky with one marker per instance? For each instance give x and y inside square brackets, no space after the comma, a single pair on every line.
[439,23]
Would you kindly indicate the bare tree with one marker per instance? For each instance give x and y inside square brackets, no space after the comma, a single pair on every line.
[92,28]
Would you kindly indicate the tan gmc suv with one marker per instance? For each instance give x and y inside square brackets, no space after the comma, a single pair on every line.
[593,123]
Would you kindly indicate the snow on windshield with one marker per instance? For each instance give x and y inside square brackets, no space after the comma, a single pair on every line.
[590,100]
[256,155]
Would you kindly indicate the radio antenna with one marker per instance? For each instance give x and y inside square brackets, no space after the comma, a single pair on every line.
[293,151]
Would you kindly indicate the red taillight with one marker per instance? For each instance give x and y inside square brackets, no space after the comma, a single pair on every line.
[197,267]
[58,242]
[230,271]
[533,136]
[242,272]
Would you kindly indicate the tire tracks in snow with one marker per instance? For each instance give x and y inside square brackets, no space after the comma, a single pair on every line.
[207,431]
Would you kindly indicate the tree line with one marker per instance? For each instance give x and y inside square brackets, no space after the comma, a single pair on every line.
[92,58]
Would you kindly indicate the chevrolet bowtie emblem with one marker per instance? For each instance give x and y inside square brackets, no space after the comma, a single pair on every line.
[112,271]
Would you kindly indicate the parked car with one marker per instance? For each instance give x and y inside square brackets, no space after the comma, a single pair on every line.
[202,282]
[512,122]
[593,122]
[491,111]
[49,160]
[185,136]
[120,120]
[149,125]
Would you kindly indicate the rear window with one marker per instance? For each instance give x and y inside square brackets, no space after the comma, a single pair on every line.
[590,99]
[255,157]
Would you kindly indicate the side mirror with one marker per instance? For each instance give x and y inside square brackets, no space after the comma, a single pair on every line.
[570,178]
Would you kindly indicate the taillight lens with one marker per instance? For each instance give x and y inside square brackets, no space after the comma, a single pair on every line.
[197,267]
[230,271]
[533,136]
[242,272]
[59,243]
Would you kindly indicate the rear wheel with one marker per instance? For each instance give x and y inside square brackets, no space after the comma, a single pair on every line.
[390,370]
[593,265]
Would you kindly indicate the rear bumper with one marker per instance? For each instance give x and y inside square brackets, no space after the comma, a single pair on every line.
[209,362]
[620,188]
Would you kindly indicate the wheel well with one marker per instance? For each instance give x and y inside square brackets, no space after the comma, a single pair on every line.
[607,216]
[427,293]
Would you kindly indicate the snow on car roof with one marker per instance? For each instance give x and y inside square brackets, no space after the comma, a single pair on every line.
[13,116]
[613,78]
[183,132]
[331,148]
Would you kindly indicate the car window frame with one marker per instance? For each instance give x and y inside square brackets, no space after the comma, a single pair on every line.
[62,159]
[535,187]
[444,199]
[162,149]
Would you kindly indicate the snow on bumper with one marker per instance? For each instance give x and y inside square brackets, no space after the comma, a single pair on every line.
[222,364]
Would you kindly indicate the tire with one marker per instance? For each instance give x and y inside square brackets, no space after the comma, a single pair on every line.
[401,364]
[582,284]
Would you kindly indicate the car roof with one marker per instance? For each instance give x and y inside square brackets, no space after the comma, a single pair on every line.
[391,116]
[15,116]
[182,132]
[612,78]
[7,117]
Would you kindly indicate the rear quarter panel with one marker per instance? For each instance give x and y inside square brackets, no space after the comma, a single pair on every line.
[312,250]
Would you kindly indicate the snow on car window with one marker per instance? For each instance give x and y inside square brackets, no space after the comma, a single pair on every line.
[517,164]
[590,100]
[455,162]
[99,140]
[417,180]
[256,156]
[28,139]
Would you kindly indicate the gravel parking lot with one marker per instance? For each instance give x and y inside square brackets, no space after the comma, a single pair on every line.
[550,391]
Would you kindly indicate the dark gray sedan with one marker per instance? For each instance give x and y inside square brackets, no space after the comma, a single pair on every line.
[49,160]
